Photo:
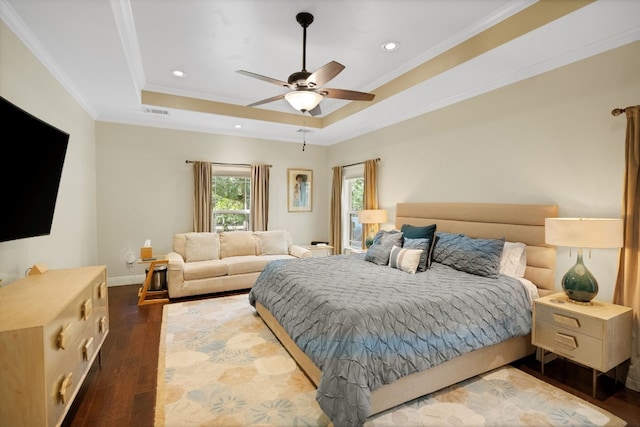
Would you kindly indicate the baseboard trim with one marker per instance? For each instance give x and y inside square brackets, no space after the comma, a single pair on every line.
[126,280]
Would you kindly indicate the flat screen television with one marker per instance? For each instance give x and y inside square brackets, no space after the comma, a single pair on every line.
[30,173]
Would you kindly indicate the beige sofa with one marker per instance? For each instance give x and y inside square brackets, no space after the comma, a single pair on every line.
[203,263]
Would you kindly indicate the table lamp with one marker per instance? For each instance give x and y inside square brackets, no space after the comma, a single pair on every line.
[582,233]
[372,216]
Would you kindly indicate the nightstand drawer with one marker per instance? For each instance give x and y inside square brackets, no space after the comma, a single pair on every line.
[581,348]
[578,322]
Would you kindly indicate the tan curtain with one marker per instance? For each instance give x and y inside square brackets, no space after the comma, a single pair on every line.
[627,291]
[202,196]
[336,211]
[259,197]
[370,196]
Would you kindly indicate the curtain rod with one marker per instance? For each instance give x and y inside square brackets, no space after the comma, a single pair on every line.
[618,111]
[359,163]
[224,164]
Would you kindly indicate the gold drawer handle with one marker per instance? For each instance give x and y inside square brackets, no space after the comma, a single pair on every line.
[87,309]
[102,325]
[64,387]
[102,290]
[63,337]
[567,341]
[87,349]
[565,320]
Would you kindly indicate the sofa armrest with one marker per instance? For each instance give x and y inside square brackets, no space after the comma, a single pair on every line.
[299,251]
[175,273]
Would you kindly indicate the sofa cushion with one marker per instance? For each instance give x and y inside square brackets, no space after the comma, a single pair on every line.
[237,243]
[245,264]
[204,269]
[202,247]
[273,242]
[180,244]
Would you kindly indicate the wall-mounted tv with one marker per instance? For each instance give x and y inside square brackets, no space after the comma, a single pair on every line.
[30,173]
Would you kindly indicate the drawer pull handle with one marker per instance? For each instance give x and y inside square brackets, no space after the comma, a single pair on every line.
[102,325]
[567,341]
[64,387]
[565,320]
[87,309]
[102,290]
[87,349]
[63,337]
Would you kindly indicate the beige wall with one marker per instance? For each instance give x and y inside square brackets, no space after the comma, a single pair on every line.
[145,188]
[73,241]
[548,139]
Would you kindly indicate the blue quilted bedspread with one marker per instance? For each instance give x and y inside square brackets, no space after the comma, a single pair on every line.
[366,325]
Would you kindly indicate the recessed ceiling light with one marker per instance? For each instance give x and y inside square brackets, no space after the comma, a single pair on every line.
[389,46]
[237,126]
[177,73]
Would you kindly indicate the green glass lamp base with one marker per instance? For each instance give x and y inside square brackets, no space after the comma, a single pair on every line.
[579,284]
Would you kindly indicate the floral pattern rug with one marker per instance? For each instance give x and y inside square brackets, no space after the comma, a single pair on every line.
[219,365]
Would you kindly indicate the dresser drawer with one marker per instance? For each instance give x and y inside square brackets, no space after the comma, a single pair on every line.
[569,320]
[577,346]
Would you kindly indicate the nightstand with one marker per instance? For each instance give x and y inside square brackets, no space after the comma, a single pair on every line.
[319,250]
[597,336]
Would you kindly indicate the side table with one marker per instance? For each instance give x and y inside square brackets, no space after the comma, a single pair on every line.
[145,296]
[597,336]
[319,250]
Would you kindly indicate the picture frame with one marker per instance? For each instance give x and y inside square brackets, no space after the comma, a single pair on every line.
[299,190]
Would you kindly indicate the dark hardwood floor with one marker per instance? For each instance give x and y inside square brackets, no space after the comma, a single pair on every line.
[122,391]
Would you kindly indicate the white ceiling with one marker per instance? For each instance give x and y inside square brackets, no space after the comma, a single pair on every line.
[106,52]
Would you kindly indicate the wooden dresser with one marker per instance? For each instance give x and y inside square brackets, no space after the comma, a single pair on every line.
[52,326]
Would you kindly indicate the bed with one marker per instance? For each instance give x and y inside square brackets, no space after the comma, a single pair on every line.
[325,311]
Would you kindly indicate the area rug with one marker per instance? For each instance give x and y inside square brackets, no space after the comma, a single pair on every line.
[219,365]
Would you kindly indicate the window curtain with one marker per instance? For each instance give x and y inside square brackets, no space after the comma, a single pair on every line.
[627,291]
[336,211]
[259,197]
[370,196]
[202,196]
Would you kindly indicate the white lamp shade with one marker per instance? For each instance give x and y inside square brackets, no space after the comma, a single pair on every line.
[303,100]
[584,232]
[372,216]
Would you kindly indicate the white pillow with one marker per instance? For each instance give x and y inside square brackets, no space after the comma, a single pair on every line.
[405,259]
[273,242]
[513,260]
[202,247]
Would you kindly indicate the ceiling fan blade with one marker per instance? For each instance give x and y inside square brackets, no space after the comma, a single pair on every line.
[315,111]
[265,78]
[325,73]
[265,101]
[351,95]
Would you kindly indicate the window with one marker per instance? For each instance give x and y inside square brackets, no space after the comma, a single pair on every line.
[231,199]
[352,202]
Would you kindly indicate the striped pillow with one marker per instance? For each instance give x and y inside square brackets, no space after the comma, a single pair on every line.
[405,259]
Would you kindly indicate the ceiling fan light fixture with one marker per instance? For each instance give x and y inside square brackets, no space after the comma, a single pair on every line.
[303,100]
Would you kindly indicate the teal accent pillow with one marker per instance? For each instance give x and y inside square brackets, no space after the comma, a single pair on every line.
[423,245]
[383,242]
[474,256]
[422,232]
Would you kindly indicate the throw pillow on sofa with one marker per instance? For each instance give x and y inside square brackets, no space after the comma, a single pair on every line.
[237,243]
[202,247]
[274,242]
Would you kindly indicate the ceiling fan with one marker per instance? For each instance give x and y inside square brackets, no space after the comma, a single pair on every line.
[307,88]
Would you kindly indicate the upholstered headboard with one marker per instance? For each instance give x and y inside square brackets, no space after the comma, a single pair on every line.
[515,222]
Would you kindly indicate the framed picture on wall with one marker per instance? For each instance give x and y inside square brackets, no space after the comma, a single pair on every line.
[299,194]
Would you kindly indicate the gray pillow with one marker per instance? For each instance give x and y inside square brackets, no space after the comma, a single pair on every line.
[422,244]
[474,256]
[383,242]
